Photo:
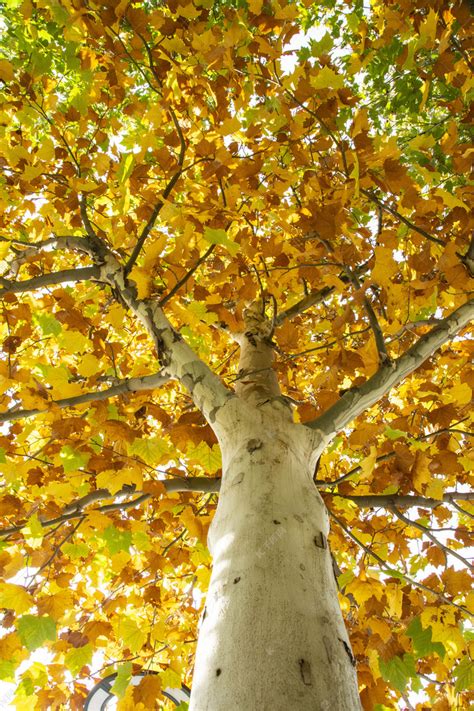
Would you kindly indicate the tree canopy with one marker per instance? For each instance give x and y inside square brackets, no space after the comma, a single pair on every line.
[198,157]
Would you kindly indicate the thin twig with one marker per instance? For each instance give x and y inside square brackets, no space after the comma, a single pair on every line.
[426,532]
[392,571]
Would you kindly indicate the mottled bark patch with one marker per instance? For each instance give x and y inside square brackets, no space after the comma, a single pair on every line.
[253,445]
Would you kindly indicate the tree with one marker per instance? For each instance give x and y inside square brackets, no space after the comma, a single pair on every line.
[237,230]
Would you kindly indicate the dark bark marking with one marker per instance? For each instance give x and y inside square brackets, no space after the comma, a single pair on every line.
[236,580]
[218,672]
[320,540]
[238,479]
[305,671]
[276,522]
[253,445]
[348,652]
[302,567]
[213,413]
[298,518]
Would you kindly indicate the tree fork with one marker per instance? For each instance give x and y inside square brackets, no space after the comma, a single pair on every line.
[272,635]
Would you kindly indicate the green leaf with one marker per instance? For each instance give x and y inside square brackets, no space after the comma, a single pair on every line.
[34,630]
[48,324]
[71,459]
[124,674]
[398,671]
[7,670]
[2,456]
[220,237]
[464,674]
[141,541]
[76,550]
[76,658]
[33,531]
[117,540]
[125,168]
[335,444]
[25,688]
[394,434]
[170,678]
[152,450]
[345,578]
[209,458]
[421,639]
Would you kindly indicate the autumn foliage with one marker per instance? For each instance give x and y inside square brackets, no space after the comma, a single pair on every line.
[309,156]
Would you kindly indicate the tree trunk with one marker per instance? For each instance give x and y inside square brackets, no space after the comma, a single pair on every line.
[272,635]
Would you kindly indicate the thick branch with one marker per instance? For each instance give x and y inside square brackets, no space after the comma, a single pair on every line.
[40,282]
[177,359]
[373,501]
[358,399]
[315,297]
[76,508]
[147,382]
[28,250]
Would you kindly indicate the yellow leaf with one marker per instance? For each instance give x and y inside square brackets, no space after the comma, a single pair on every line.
[15,597]
[367,464]
[355,174]
[327,78]
[7,71]
[451,200]
[74,341]
[381,627]
[363,590]
[394,594]
[143,280]
[89,365]
[46,151]
[422,143]
[115,480]
[421,472]
[435,489]
[192,523]
[385,265]
[230,125]
[4,249]
[132,635]
[427,30]
[33,532]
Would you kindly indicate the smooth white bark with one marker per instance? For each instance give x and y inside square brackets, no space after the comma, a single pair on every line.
[272,636]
